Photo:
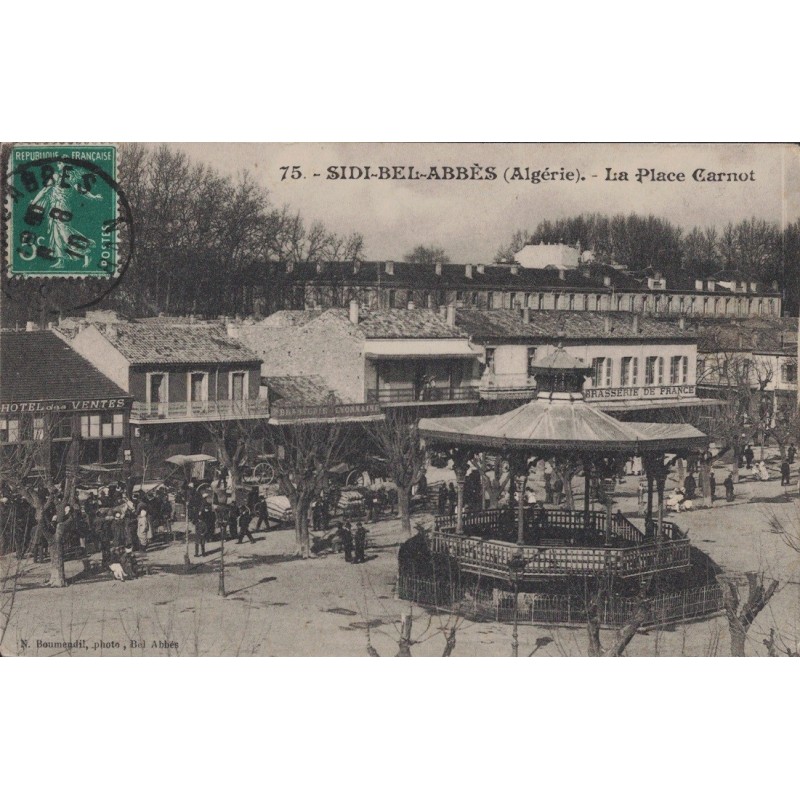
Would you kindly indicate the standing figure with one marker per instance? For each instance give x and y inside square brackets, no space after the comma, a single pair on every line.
[346,538]
[792,452]
[260,509]
[728,484]
[442,500]
[452,499]
[360,542]
[244,525]
[748,456]
[785,472]
[712,485]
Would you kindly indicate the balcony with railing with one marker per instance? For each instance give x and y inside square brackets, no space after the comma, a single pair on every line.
[408,395]
[508,385]
[559,543]
[199,411]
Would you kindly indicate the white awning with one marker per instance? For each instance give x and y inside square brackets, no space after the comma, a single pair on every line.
[418,348]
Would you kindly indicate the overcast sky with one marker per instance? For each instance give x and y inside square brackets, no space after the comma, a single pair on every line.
[471,219]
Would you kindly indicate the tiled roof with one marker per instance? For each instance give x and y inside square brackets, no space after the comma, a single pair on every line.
[401,323]
[506,324]
[38,365]
[748,335]
[291,390]
[159,342]
[288,319]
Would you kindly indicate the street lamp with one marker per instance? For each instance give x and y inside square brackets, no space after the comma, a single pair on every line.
[516,573]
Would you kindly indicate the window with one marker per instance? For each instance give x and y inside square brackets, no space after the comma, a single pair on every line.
[198,390]
[772,308]
[157,390]
[392,299]
[38,429]
[541,301]
[619,302]
[626,371]
[490,300]
[653,370]
[101,426]
[598,300]
[586,302]
[556,298]
[701,368]
[238,386]
[531,360]
[601,372]
[527,300]
[490,360]
[629,371]
[685,369]
[631,303]
[760,308]
[9,430]
[62,427]
[571,302]
[674,369]
[789,373]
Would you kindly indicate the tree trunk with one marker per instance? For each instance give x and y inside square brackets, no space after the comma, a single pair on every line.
[221,588]
[404,645]
[735,467]
[738,637]
[404,505]
[301,529]
[58,577]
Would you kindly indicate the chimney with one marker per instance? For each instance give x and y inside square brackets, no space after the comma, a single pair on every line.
[635,325]
[356,266]
[289,267]
[712,286]
[468,271]
[698,285]
[606,280]
[319,267]
[451,315]
[515,269]
[411,305]
[753,287]
[438,267]
[389,267]
[481,269]
[30,326]
[774,286]
[526,315]
[354,312]
[562,274]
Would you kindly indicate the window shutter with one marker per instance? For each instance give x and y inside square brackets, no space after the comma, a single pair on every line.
[661,369]
[635,379]
[685,369]
[608,372]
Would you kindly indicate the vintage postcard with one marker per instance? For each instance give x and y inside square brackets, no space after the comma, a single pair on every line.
[399,399]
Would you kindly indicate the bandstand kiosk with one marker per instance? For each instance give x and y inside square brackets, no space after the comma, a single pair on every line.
[543,562]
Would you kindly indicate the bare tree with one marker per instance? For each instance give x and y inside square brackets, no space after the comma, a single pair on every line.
[742,615]
[24,471]
[304,454]
[397,439]
[623,635]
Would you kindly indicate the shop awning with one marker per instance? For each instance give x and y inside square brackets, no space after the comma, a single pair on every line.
[418,348]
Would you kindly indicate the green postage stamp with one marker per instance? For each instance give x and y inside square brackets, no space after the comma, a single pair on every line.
[62,211]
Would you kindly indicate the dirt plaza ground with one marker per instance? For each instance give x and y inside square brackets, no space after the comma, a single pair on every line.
[277,604]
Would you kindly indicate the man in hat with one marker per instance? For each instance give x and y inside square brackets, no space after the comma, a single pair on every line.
[346,538]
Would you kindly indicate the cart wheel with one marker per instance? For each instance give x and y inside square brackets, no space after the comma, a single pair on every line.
[264,473]
[354,478]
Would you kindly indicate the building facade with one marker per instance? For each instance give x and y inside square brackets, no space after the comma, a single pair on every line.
[52,395]
[585,287]
[638,364]
[182,374]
